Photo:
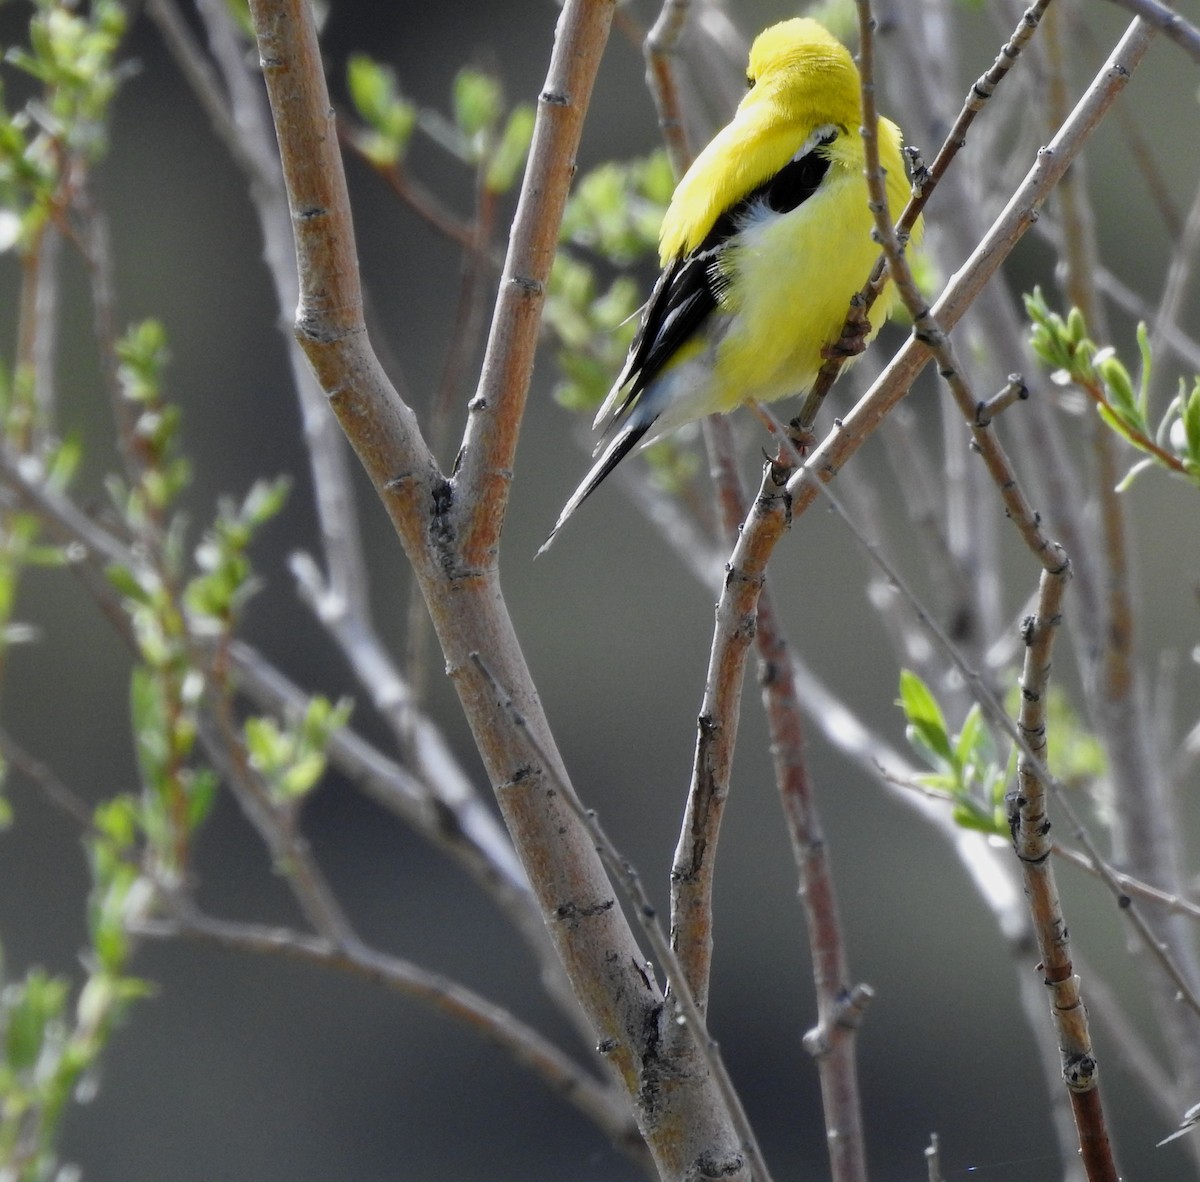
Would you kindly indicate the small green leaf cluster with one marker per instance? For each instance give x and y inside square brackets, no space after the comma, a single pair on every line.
[1073,357]
[611,220]
[215,597]
[170,614]
[46,145]
[388,117]
[48,1051]
[163,472]
[966,766]
[172,606]
[482,132]
[292,758]
[21,543]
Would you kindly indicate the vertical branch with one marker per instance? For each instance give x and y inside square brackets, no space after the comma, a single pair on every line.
[1030,823]
[832,1041]
[1031,828]
[485,462]
[662,44]
[716,738]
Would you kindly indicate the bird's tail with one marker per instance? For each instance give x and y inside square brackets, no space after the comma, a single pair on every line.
[621,444]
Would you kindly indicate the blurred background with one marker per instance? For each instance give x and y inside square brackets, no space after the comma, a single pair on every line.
[245,1067]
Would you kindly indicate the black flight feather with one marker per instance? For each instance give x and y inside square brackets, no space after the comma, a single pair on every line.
[683,298]
[690,288]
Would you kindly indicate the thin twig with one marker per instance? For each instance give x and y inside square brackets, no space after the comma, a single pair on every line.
[275,822]
[1179,273]
[1031,829]
[1161,17]
[1130,884]
[43,776]
[933,1161]
[660,49]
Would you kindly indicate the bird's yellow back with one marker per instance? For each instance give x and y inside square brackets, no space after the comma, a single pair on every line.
[801,78]
[765,242]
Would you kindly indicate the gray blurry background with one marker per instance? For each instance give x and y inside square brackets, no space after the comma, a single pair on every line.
[252,1068]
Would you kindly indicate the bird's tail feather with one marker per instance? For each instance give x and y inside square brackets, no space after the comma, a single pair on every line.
[618,448]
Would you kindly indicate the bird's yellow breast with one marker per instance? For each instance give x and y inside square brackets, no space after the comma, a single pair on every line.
[796,275]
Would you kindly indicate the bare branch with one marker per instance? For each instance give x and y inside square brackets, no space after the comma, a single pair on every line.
[484,466]
[681,996]
[839,1003]
[1185,35]
[661,48]
[1030,836]
[523,1043]
[716,738]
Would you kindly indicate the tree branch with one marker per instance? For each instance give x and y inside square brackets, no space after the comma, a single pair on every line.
[483,470]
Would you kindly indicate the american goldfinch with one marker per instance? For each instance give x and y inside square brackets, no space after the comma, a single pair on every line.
[766,239]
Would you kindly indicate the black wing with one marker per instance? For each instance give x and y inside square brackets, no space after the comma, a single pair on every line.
[684,296]
[690,288]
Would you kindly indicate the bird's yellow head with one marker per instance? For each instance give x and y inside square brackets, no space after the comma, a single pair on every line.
[799,68]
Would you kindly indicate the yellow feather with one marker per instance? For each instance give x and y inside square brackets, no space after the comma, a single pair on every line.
[802,77]
[767,238]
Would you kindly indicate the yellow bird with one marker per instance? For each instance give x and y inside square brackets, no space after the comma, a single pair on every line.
[767,237]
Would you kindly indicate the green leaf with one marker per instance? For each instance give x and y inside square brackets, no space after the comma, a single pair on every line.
[477,103]
[265,500]
[973,746]
[372,86]
[390,117]
[264,742]
[202,792]
[509,157]
[29,1009]
[924,715]
[1119,386]
[1191,422]
[1143,341]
